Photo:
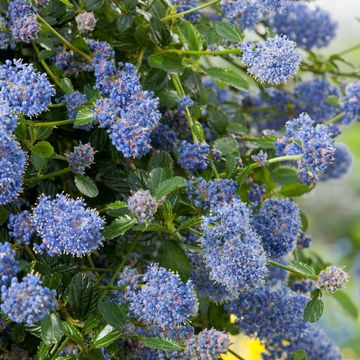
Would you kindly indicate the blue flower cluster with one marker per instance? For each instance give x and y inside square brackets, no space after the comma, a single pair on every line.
[183,5]
[351,103]
[27,91]
[270,313]
[20,227]
[73,101]
[208,193]
[159,297]
[303,286]
[341,164]
[308,27]
[164,137]
[260,158]
[332,278]
[12,167]
[278,223]
[66,226]
[27,302]
[311,96]
[232,250]
[194,157]
[22,21]
[129,113]
[314,143]
[143,205]
[81,158]
[273,61]
[184,103]
[9,266]
[8,118]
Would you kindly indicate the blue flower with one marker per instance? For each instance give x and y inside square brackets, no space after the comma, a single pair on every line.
[184,103]
[22,21]
[332,278]
[351,103]
[5,38]
[304,241]
[278,223]
[208,344]
[206,193]
[270,313]
[312,97]
[12,167]
[73,101]
[9,267]
[66,226]
[164,138]
[232,250]
[27,302]
[81,158]
[341,164]
[8,118]
[159,297]
[183,5]
[260,158]
[20,227]
[303,286]
[143,205]
[256,194]
[194,157]
[273,61]
[315,143]
[26,90]
[308,27]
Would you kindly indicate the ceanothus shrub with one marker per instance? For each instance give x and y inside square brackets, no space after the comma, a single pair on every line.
[148,191]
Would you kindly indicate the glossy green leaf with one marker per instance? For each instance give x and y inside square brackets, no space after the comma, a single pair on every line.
[86,186]
[170,63]
[93,4]
[43,351]
[295,189]
[114,314]
[43,149]
[72,332]
[160,31]
[118,227]
[284,175]
[51,329]
[229,77]
[170,185]
[298,355]
[302,268]
[124,22]
[226,146]
[105,337]
[161,343]
[314,308]
[190,35]
[157,176]
[84,117]
[229,32]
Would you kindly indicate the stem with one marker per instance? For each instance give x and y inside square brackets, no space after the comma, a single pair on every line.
[346,51]
[52,123]
[214,169]
[335,119]
[190,11]
[120,267]
[29,252]
[56,105]
[140,58]
[235,354]
[285,158]
[287,268]
[204,52]
[65,342]
[48,176]
[63,40]
[180,90]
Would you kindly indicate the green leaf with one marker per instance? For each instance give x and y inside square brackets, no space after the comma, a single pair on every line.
[298,355]
[116,205]
[346,303]
[86,186]
[124,22]
[52,280]
[284,175]
[172,257]
[114,314]
[295,189]
[43,351]
[302,268]
[82,294]
[190,36]
[168,98]
[43,149]
[93,4]
[229,32]
[243,175]
[217,120]
[170,185]
[72,332]
[105,337]
[226,146]
[160,31]
[81,44]
[51,330]
[84,117]
[170,63]
[118,227]
[266,142]
[161,343]
[229,77]
[158,176]
[67,3]
[314,308]
[67,85]
[160,159]
[17,333]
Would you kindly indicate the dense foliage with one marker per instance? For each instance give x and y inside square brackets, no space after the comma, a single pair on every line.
[151,155]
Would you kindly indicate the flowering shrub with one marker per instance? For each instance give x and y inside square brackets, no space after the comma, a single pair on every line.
[151,157]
